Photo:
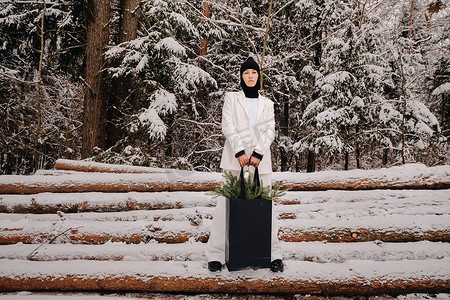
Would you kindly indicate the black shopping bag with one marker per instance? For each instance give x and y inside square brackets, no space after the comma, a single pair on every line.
[248,231]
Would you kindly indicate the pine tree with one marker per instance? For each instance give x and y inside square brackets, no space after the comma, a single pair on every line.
[159,62]
[412,126]
[349,85]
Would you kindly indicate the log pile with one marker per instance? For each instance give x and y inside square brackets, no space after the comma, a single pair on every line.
[138,229]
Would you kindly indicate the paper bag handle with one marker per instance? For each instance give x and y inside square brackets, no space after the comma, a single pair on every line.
[243,188]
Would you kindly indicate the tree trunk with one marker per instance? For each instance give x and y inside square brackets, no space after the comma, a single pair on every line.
[411,19]
[129,20]
[317,34]
[120,86]
[266,36]
[402,101]
[284,128]
[346,160]
[39,91]
[206,12]
[445,113]
[311,166]
[385,156]
[403,130]
[201,91]
[357,149]
[94,106]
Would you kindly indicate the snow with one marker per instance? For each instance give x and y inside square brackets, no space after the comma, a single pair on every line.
[388,113]
[333,142]
[142,63]
[319,252]
[76,179]
[189,76]
[183,22]
[337,77]
[111,201]
[96,165]
[384,175]
[172,45]
[196,223]
[422,113]
[444,88]
[163,102]
[393,224]
[352,270]
[156,127]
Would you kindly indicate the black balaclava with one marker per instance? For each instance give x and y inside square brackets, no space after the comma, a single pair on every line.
[250,92]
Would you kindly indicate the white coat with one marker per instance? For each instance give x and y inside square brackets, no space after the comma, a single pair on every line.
[236,128]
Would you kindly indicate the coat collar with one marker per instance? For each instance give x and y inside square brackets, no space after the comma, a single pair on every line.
[243,102]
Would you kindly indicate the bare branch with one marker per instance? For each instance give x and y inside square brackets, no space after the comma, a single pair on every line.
[283,7]
[51,241]
[18,79]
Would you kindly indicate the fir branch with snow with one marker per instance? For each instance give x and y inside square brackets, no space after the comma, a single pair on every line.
[231,188]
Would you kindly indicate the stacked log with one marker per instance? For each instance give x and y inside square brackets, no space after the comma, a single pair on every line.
[413,176]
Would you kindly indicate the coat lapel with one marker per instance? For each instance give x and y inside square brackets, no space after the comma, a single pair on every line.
[243,103]
[261,104]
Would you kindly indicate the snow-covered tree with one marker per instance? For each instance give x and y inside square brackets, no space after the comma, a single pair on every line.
[40,56]
[349,82]
[160,62]
[370,92]
[412,126]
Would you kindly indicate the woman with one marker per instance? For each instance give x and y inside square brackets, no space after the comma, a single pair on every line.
[249,127]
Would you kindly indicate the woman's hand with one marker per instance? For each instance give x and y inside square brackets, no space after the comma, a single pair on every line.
[254,161]
[243,160]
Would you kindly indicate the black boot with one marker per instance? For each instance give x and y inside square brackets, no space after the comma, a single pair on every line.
[277,266]
[215,266]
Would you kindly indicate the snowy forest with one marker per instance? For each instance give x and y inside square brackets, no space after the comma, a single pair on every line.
[355,83]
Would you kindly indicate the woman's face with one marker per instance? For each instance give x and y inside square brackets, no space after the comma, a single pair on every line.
[250,77]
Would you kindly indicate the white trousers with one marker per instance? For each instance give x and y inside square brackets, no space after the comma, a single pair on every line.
[215,249]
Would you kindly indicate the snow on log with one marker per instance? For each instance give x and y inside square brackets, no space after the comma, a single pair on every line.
[100,232]
[320,252]
[409,176]
[110,183]
[91,166]
[412,176]
[389,228]
[363,235]
[293,205]
[354,277]
[47,203]
[195,227]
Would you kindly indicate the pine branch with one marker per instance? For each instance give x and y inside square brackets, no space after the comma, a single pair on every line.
[231,189]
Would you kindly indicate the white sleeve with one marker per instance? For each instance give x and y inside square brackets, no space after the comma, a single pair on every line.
[266,137]
[228,128]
